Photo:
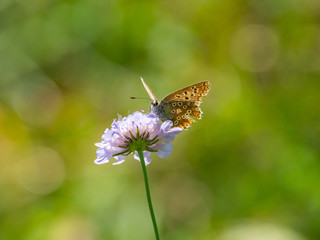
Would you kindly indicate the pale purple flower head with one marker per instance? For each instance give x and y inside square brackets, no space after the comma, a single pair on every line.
[136,131]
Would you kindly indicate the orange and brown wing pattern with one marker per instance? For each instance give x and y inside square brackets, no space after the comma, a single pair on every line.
[181,113]
[183,105]
[192,93]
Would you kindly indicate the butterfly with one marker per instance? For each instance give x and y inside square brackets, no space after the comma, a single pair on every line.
[181,106]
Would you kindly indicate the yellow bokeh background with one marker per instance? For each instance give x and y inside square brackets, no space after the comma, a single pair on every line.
[248,170]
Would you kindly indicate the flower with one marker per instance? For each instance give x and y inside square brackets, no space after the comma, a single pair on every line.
[136,131]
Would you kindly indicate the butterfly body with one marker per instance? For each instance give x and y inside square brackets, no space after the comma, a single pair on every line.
[182,106]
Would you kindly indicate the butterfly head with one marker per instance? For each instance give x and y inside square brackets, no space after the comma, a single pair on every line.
[154,103]
[154,106]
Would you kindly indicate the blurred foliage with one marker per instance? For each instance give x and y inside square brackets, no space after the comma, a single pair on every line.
[250,169]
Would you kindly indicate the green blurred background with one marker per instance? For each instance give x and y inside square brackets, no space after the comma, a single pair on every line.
[249,170]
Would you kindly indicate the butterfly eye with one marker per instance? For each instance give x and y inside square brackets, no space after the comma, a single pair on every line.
[155,103]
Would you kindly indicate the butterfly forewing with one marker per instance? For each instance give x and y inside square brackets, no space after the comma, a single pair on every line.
[191,93]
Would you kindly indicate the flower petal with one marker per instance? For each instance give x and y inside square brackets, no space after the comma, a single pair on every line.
[166,125]
[120,159]
[100,145]
[101,160]
[146,155]
[175,130]
[164,150]
[170,135]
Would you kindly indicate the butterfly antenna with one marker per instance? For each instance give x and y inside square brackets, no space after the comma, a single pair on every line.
[140,98]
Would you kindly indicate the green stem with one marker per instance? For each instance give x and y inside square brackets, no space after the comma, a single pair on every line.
[144,170]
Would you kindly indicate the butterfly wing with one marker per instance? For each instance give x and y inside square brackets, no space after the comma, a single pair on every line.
[192,93]
[180,113]
[180,105]
[150,93]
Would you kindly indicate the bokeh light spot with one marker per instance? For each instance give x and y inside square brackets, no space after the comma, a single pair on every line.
[41,173]
[259,231]
[72,228]
[255,48]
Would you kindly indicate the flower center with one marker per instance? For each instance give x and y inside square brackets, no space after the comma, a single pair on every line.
[140,142]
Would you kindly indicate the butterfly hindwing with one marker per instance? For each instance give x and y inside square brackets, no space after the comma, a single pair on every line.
[181,113]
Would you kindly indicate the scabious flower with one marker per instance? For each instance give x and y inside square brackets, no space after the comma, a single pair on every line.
[137,131]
